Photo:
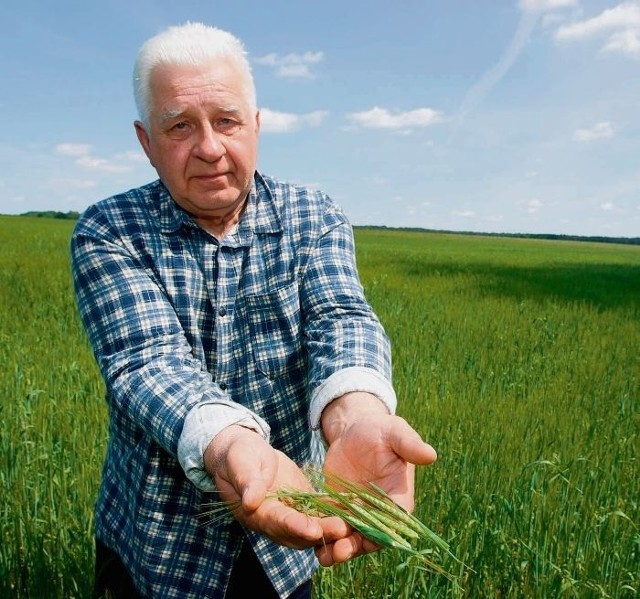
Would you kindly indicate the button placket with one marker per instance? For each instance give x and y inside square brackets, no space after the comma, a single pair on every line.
[226,286]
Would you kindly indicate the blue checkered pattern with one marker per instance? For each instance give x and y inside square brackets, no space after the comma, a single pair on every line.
[175,318]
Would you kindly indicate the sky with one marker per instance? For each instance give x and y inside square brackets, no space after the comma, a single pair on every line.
[501,116]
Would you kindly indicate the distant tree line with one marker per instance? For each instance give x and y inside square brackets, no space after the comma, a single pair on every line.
[592,238]
[70,215]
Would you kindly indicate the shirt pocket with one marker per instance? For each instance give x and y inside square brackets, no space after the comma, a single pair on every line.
[275,329]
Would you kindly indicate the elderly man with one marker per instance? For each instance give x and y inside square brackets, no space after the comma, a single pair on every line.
[226,315]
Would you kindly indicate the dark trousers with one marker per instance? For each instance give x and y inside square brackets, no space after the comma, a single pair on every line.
[248,578]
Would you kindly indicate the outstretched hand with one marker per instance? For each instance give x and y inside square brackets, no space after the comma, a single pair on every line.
[371,446]
[246,470]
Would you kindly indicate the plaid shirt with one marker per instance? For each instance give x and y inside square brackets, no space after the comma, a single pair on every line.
[264,327]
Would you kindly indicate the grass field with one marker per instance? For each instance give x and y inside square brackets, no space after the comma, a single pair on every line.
[517,359]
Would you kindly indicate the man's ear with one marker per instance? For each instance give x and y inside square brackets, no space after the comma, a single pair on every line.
[258,121]
[143,138]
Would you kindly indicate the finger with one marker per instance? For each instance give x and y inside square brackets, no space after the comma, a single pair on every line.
[285,525]
[253,478]
[244,467]
[254,494]
[324,553]
[408,444]
[334,528]
[345,549]
[369,546]
[302,526]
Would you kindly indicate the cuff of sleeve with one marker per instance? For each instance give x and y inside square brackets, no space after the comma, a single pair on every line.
[349,380]
[203,422]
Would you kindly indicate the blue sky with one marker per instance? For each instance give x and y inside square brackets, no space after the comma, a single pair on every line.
[475,115]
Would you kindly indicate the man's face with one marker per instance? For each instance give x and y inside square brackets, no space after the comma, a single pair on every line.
[202,137]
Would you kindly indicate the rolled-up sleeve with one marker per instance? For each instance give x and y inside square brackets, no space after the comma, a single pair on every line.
[202,424]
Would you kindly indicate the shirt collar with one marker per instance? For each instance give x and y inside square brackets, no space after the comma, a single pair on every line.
[172,217]
[260,216]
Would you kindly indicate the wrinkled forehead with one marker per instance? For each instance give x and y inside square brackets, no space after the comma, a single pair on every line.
[221,76]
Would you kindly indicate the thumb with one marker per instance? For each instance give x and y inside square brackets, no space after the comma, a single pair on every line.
[254,494]
[246,469]
[408,444]
[255,478]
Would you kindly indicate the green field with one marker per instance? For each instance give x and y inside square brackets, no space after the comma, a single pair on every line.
[517,359]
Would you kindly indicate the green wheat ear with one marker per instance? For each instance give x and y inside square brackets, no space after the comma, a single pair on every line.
[366,508]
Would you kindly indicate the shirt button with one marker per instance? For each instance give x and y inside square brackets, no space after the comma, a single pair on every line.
[222,311]
[223,386]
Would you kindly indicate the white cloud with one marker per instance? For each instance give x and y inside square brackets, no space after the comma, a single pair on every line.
[84,159]
[101,164]
[73,183]
[619,25]
[532,206]
[608,206]
[381,118]
[601,130]
[622,16]
[627,42]
[272,121]
[546,5]
[464,213]
[132,156]
[70,149]
[292,66]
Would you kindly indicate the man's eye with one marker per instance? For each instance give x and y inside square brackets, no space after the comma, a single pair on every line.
[180,126]
[225,124]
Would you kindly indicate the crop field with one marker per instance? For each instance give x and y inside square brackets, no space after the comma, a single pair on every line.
[517,359]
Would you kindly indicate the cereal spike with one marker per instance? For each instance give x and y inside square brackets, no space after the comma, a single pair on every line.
[370,519]
[397,511]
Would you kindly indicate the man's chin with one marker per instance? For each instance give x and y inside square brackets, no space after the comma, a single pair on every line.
[216,200]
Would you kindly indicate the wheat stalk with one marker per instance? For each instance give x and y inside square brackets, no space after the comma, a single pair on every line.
[366,508]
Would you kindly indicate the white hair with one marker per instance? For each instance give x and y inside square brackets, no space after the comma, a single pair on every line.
[188,44]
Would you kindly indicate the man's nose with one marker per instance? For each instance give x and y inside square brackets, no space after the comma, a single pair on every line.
[209,146]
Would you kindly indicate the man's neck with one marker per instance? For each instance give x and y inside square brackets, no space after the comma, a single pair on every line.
[220,226]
